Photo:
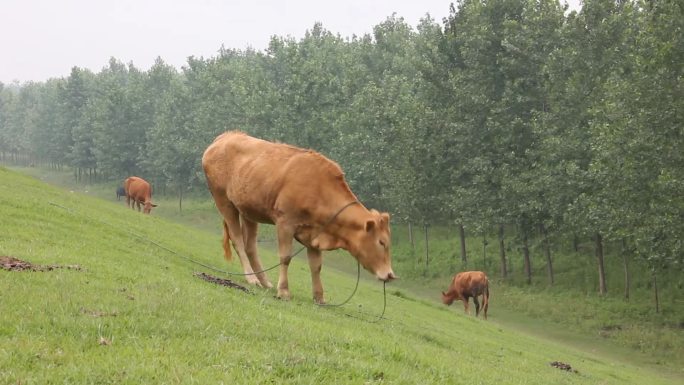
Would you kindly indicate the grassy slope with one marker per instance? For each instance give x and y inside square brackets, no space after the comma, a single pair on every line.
[168,327]
[572,304]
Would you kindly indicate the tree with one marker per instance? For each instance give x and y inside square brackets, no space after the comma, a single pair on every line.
[592,48]
[77,129]
[174,142]
[638,134]
[118,129]
[498,50]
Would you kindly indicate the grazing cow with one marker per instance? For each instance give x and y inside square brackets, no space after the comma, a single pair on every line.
[469,284]
[120,192]
[138,191]
[307,198]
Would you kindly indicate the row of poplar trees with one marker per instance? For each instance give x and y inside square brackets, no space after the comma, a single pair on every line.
[511,114]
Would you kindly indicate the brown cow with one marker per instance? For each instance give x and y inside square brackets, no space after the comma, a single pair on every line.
[138,191]
[307,198]
[469,284]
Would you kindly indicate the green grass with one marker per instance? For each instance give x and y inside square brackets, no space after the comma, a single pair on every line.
[166,326]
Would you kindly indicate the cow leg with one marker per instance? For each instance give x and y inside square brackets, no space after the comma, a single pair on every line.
[285,237]
[477,305]
[315,263]
[232,218]
[466,304]
[249,234]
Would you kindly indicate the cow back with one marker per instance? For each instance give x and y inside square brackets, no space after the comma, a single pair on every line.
[138,189]
[261,177]
[470,283]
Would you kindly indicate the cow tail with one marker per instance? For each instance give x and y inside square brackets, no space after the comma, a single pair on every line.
[226,243]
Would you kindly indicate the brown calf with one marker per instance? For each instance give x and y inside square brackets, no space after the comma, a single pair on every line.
[469,284]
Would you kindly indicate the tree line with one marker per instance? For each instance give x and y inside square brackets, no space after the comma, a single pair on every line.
[509,114]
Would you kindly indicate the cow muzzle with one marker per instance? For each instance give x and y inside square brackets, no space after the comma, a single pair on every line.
[387,276]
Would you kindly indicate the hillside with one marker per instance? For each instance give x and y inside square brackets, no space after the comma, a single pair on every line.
[134,313]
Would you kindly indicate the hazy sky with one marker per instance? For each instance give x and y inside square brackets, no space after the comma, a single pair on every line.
[40,39]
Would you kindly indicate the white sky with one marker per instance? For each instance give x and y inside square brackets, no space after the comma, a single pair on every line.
[40,39]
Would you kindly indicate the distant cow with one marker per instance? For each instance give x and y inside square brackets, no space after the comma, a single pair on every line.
[469,284]
[120,192]
[304,194]
[138,191]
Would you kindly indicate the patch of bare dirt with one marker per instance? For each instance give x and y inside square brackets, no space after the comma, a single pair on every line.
[563,366]
[14,264]
[220,281]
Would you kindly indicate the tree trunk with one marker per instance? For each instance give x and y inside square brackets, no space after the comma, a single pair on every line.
[547,253]
[484,249]
[575,243]
[427,250]
[180,199]
[410,234]
[655,290]
[526,259]
[502,252]
[601,266]
[461,233]
[625,263]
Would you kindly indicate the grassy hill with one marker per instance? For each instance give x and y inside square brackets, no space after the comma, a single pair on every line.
[570,311]
[134,313]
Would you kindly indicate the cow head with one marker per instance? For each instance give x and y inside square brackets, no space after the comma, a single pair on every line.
[450,297]
[447,299]
[368,240]
[148,207]
[370,245]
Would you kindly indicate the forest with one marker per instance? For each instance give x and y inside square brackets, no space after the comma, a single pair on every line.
[512,117]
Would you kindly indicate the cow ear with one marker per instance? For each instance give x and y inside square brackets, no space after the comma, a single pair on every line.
[153,205]
[385,217]
[370,225]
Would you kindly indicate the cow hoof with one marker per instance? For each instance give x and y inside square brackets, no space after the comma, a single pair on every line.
[252,280]
[319,301]
[283,294]
[266,284]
